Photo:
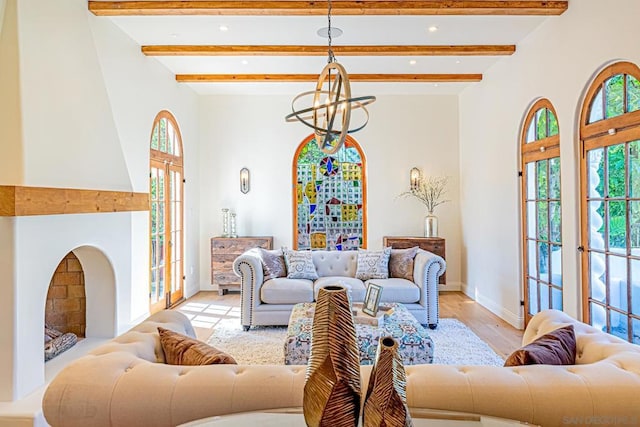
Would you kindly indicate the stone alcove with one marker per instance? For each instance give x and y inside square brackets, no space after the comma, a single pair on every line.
[66,307]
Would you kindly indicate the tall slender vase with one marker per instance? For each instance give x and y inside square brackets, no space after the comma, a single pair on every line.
[233,231]
[386,400]
[225,222]
[332,387]
[430,225]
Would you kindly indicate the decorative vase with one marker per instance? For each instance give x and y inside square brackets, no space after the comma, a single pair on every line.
[332,386]
[233,233]
[430,225]
[386,400]
[225,222]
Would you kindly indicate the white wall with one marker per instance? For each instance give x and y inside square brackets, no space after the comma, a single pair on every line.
[11,160]
[557,61]
[84,103]
[88,103]
[403,131]
[7,314]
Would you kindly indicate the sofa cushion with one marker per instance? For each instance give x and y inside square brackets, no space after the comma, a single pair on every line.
[286,291]
[183,350]
[272,263]
[397,290]
[355,286]
[335,263]
[401,263]
[299,265]
[558,347]
[373,264]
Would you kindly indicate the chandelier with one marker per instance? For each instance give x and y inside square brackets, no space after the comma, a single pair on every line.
[330,112]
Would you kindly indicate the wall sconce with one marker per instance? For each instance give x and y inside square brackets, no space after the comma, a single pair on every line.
[244,180]
[414,179]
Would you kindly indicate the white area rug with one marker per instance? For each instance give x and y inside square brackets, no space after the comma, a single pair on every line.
[455,344]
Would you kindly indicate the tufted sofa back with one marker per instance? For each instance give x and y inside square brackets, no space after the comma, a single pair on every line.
[335,263]
[592,345]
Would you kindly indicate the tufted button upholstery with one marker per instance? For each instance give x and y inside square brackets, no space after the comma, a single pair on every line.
[110,386]
[335,263]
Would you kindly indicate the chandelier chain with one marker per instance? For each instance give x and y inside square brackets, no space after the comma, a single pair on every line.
[331,57]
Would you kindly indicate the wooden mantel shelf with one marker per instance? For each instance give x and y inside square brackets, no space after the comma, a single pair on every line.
[26,201]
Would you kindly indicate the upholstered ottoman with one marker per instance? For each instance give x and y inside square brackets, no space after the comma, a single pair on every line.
[414,344]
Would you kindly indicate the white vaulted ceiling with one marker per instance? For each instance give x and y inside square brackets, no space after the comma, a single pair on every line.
[174,28]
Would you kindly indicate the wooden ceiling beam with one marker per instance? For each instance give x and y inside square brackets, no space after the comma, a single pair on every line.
[27,201]
[339,7]
[293,78]
[211,50]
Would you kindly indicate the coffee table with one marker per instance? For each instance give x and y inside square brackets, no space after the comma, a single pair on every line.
[292,417]
[414,344]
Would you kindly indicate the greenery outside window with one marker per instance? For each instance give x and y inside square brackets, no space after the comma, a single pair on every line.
[166,214]
[610,201]
[541,210]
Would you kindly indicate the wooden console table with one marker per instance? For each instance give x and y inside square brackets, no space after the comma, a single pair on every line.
[435,245]
[224,250]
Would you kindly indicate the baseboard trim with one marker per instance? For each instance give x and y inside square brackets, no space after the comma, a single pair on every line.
[450,287]
[515,320]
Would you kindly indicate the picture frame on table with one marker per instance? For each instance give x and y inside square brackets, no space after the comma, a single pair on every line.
[372,299]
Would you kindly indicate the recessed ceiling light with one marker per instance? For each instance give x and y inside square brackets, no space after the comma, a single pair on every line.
[174,35]
[244,62]
[223,28]
[324,32]
[435,85]
[458,61]
[432,29]
[412,62]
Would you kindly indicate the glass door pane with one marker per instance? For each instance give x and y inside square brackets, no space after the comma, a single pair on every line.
[176,246]
[543,235]
[157,274]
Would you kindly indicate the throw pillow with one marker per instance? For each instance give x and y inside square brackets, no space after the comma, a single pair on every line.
[555,348]
[272,264]
[183,350]
[401,263]
[300,265]
[373,264]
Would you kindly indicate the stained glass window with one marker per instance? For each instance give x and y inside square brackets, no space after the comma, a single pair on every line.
[329,197]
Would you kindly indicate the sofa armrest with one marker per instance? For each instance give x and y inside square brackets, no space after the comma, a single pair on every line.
[249,267]
[427,269]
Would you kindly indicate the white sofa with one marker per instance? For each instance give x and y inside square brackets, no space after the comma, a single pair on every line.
[125,383]
[270,302]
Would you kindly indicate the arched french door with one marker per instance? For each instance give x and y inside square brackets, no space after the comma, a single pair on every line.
[541,213]
[610,201]
[166,214]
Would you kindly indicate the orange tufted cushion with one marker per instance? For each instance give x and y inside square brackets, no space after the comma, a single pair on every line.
[183,350]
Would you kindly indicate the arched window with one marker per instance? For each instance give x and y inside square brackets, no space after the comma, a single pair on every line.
[329,197]
[610,201]
[166,213]
[541,216]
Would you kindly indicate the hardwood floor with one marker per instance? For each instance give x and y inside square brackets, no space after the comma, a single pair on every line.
[500,335]
[207,308]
